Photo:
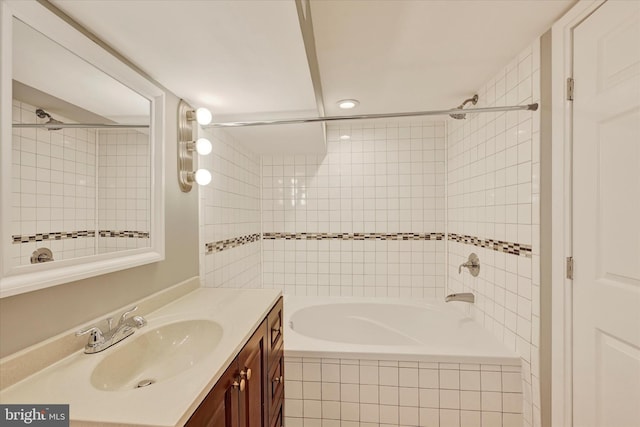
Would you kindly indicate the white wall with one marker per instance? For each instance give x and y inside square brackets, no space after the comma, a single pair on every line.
[343,223]
[493,193]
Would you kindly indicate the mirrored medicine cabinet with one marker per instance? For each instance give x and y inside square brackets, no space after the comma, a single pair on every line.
[81,155]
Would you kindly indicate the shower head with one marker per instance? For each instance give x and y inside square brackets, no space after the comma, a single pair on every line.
[44,115]
[460,116]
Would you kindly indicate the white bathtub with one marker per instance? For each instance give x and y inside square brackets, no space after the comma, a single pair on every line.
[376,329]
[370,362]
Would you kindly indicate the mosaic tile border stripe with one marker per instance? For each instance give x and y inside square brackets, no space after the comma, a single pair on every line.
[223,245]
[62,235]
[353,236]
[54,235]
[496,245]
[125,233]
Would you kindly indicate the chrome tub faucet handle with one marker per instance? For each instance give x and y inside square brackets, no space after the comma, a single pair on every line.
[473,264]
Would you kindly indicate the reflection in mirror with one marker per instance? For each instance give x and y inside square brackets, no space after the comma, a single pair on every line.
[81,156]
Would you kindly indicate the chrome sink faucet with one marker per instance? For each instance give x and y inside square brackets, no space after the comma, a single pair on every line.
[464,297]
[99,340]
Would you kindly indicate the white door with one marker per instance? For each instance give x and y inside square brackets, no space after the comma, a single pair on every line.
[606,217]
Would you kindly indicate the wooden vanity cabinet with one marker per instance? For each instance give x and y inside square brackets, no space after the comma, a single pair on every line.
[251,391]
[275,365]
[221,407]
[252,366]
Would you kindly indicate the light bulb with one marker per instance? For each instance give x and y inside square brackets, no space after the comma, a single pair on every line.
[347,104]
[203,116]
[203,146]
[202,176]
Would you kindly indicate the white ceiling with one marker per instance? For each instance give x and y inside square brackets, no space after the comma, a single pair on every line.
[43,64]
[246,59]
[234,57]
[420,55]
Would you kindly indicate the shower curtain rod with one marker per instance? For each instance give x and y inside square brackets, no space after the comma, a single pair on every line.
[530,107]
[55,126]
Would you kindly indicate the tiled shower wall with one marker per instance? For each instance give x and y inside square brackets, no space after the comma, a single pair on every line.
[366,218]
[124,190]
[493,195]
[230,246]
[54,188]
[58,174]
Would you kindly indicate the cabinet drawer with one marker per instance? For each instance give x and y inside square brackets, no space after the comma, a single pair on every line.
[275,386]
[275,330]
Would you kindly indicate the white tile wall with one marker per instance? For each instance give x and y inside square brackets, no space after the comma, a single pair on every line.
[123,187]
[54,186]
[367,393]
[388,178]
[493,192]
[230,208]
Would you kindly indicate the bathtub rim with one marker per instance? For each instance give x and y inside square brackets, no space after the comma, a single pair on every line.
[298,345]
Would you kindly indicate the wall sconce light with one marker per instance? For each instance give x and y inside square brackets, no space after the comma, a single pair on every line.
[187,146]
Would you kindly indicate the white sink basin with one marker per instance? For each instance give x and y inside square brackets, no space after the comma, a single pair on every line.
[151,356]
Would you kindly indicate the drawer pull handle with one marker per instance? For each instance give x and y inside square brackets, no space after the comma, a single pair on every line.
[241,385]
[279,379]
[246,374]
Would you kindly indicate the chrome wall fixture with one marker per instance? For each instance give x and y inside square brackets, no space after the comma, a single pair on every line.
[187,146]
[473,264]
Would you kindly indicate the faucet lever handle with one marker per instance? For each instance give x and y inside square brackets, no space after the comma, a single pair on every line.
[126,313]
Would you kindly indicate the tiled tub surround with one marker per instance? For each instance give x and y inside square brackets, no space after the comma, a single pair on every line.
[124,192]
[493,193]
[56,176]
[387,179]
[230,243]
[54,187]
[332,392]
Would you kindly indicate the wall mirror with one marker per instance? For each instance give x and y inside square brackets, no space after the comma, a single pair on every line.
[81,155]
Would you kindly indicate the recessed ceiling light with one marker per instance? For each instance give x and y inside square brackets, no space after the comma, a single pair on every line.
[345,137]
[347,104]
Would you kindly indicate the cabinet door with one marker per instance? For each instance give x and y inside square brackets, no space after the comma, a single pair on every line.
[252,365]
[275,331]
[221,406]
[275,387]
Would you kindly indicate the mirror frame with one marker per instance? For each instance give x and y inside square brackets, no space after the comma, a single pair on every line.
[20,279]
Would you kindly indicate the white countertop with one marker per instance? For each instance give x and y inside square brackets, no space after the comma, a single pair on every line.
[166,403]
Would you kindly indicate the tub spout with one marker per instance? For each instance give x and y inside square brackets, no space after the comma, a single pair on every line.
[464,297]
